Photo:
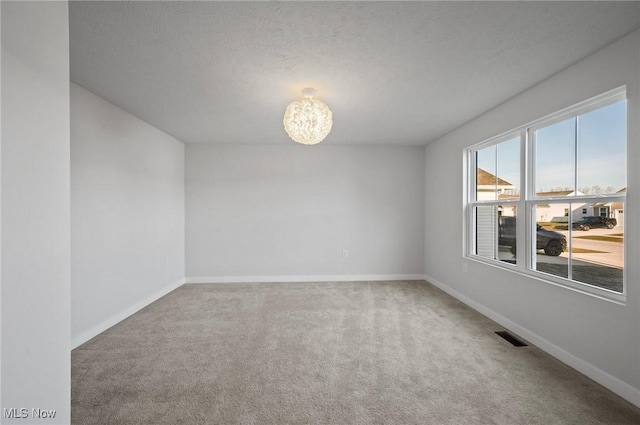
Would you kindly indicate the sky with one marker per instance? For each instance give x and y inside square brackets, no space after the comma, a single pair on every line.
[507,154]
[601,141]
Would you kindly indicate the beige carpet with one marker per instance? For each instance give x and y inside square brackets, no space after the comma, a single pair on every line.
[325,353]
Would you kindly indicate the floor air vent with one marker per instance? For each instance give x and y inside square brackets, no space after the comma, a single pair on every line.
[512,339]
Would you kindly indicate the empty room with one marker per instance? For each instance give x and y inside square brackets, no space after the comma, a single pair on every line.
[319,212]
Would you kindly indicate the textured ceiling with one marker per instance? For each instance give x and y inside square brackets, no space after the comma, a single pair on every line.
[394,73]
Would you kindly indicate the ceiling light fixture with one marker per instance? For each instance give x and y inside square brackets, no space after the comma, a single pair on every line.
[307,120]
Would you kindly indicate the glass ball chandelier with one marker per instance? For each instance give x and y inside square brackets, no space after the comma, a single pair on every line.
[307,120]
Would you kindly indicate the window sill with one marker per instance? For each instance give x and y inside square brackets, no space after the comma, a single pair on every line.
[574,286]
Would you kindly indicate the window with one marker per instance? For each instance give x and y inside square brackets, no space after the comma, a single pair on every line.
[555,191]
[496,183]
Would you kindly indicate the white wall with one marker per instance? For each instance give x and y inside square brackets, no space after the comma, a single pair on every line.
[0,207]
[598,337]
[35,209]
[287,212]
[127,210]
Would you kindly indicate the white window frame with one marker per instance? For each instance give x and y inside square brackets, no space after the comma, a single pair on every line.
[527,201]
[518,202]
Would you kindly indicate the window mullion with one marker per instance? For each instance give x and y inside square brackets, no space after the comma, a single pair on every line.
[529,190]
[521,223]
[570,243]
[575,190]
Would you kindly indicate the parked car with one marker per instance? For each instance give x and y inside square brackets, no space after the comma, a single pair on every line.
[594,222]
[553,243]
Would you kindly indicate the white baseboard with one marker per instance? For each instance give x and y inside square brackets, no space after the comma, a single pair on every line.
[614,384]
[96,330]
[318,278]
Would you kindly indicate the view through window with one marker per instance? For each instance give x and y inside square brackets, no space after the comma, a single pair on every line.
[569,217]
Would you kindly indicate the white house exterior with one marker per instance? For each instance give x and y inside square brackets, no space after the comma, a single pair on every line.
[611,209]
[491,187]
[559,213]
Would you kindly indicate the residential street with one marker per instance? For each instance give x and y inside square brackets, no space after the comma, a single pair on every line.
[607,252]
